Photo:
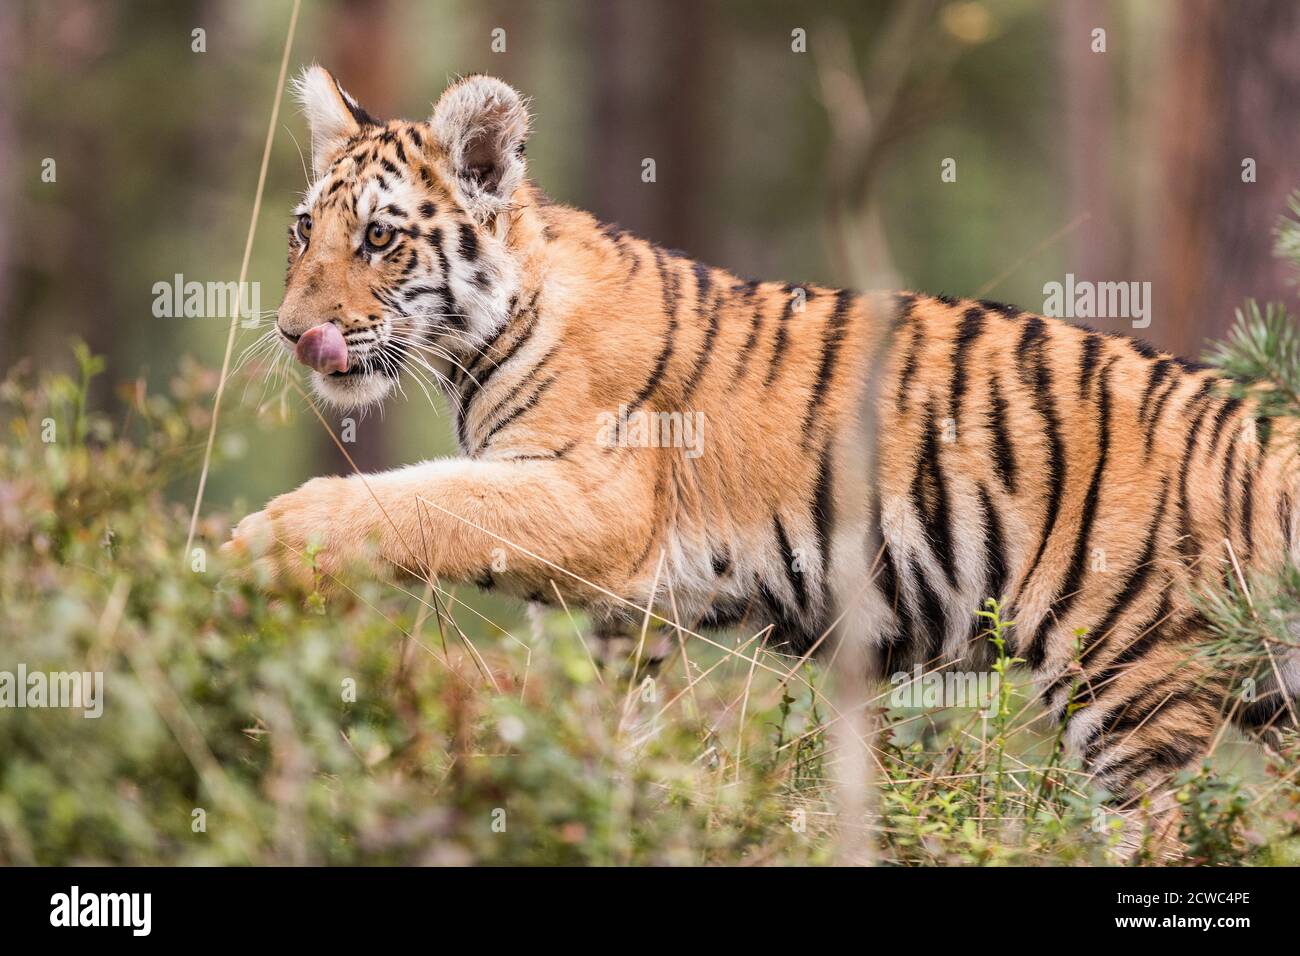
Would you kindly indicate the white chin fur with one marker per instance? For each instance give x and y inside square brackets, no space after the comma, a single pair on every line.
[352,392]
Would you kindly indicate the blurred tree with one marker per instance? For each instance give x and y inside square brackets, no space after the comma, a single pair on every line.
[362,59]
[1086,91]
[85,33]
[652,62]
[870,111]
[1234,82]
[9,67]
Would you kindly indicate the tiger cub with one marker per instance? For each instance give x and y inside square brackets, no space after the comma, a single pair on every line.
[633,423]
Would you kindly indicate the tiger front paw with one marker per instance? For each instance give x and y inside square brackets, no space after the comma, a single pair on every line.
[304,540]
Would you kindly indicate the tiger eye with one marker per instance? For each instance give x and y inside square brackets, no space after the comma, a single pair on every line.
[378,235]
[304,227]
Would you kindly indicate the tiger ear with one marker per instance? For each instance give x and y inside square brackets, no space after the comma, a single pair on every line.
[481,124]
[333,116]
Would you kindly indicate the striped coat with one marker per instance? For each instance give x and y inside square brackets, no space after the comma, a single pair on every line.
[637,426]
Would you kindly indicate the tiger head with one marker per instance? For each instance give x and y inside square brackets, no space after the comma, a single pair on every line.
[400,256]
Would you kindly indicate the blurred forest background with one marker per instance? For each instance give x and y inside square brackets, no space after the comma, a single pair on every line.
[797,141]
[821,165]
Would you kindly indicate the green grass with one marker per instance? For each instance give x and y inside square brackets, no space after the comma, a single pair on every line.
[389,727]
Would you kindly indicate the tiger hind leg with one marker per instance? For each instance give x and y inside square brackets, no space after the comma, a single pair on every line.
[1146,722]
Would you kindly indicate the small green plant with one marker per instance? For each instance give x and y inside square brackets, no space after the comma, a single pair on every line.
[1214,816]
[1002,665]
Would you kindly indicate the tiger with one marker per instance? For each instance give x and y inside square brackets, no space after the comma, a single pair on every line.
[1091,483]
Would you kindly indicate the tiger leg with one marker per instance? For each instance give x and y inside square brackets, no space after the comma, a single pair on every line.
[1268,706]
[1146,718]
[527,527]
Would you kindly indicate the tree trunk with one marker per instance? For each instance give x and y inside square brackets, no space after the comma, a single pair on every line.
[1234,82]
[361,59]
[9,66]
[1086,95]
[652,60]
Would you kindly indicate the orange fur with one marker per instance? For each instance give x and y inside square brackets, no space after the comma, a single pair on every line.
[1088,481]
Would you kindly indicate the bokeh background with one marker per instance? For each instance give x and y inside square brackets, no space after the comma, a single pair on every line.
[1121,165]
[822,165]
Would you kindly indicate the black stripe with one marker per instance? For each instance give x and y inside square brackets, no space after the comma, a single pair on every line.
[416,291]
[1284,517]
[1225,412]
[1263,432]
[527,405]
[434,238]
[468,243]
[1073,581]
[553,455]
[1199,398]
[1004,455]
[1096,638]
[1155,414]
[361,116]
[706,350]
[478,374]
[890,588]
[1229,466]
[1187,543]
[935,520]
[787,560]
[669,283]
[909,367]
[1130,714]
[1248,505]
[524,381]
[634,255]
[904,302]
[1036,374]
[748,292]
[995,558]
[836,328]
[1092,343]
[823,511]
[1166,755]
[782,336]
[515,313]
[1009,311]
[972,324]
[1265,711]
[703,281]
[1140,346]
[1159,370]
[645,552]
[1147,635]
[935,619]
[786,624]
[478,384]
[720,561]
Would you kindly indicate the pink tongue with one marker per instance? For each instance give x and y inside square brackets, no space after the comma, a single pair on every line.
[322,347]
